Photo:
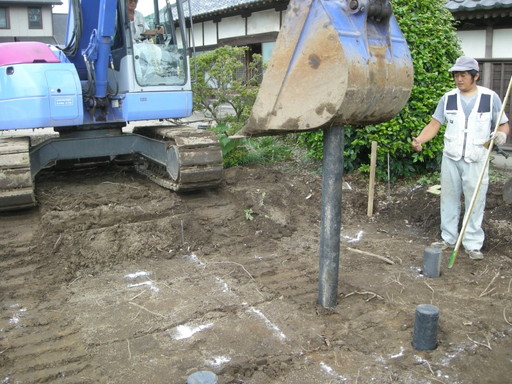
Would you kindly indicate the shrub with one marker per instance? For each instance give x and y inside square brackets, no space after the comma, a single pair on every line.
[223,80]
[431,36]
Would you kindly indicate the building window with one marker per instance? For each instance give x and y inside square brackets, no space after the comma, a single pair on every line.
[4,18]
[35,18]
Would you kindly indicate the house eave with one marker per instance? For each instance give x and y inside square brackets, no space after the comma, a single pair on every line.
[241,9]
[30,2]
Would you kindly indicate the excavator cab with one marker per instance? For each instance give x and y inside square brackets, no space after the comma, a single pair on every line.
[158,48]
[140,61]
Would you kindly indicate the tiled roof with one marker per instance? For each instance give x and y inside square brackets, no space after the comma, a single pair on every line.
[477,5]
[206,7]
[210,7]
[32,2]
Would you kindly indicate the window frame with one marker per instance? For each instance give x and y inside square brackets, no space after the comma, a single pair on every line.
[7,19]
[35,24]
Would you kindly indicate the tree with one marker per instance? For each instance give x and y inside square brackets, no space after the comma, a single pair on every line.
[219,82]
[223,79]
[430,32]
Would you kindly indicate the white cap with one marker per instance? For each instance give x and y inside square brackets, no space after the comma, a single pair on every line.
[465,63]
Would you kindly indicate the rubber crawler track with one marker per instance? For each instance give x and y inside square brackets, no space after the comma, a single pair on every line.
[199,158]
[16,188]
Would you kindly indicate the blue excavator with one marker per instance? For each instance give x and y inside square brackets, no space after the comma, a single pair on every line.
[342,61]
[105,76]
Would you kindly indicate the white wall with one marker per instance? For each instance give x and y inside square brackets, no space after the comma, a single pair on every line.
[235,26]
[18,18]
[262,22]
[210,33]
[198,35]
[231,27]
[473,43]
[502,43]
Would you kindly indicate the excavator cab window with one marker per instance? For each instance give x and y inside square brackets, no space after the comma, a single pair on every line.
[159,49]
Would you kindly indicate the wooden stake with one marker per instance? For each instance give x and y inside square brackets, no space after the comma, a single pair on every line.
[389,261]
[371,191]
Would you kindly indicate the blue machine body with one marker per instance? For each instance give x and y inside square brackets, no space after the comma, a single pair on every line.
[40,95]
[96,79]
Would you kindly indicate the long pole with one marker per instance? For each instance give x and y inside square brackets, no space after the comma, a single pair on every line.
[479,183]
[330,225]
[371,188]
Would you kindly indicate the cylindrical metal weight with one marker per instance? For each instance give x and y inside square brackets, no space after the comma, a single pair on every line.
[432,262]
[330,223]
[202,377]
[425,327]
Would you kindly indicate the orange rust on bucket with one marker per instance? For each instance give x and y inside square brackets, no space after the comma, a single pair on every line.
[332,65]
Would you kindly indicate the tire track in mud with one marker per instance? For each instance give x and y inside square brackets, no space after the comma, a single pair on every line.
[38,341]
[89,229]
[292,275]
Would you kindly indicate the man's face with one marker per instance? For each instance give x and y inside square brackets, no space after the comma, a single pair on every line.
[132,4]
[464,81]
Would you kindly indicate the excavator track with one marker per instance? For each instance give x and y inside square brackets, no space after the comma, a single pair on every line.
[198,153]
[16,188]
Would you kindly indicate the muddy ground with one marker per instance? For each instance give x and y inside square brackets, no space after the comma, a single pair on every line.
[113,279]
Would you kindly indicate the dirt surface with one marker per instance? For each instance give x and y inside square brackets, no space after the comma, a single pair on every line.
[113,279]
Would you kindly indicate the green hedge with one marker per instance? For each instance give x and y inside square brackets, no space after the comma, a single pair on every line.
[430,32]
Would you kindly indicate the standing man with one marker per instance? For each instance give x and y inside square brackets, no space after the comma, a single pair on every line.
[470,113]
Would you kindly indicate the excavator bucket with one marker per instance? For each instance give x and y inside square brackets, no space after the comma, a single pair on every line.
[334,62]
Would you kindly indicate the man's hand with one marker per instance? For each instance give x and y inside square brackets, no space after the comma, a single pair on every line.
[499,137]
[416,145]
[152,32]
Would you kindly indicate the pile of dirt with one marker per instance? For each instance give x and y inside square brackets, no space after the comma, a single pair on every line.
[113,279]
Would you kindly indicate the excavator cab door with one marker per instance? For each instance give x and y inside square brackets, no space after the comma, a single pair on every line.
[150,72]
[159,49]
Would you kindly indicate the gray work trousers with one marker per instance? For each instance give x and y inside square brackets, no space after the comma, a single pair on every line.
[460,178]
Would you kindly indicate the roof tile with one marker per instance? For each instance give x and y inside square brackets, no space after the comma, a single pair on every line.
[474,5]
[32,2]
[207,6]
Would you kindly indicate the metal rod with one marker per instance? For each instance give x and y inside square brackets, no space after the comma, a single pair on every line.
[331,216]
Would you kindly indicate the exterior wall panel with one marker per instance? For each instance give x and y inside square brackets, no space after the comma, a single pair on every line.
[262,22]
[210,33]
[198,34]
[473,43]
[231,27]
[501,44]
